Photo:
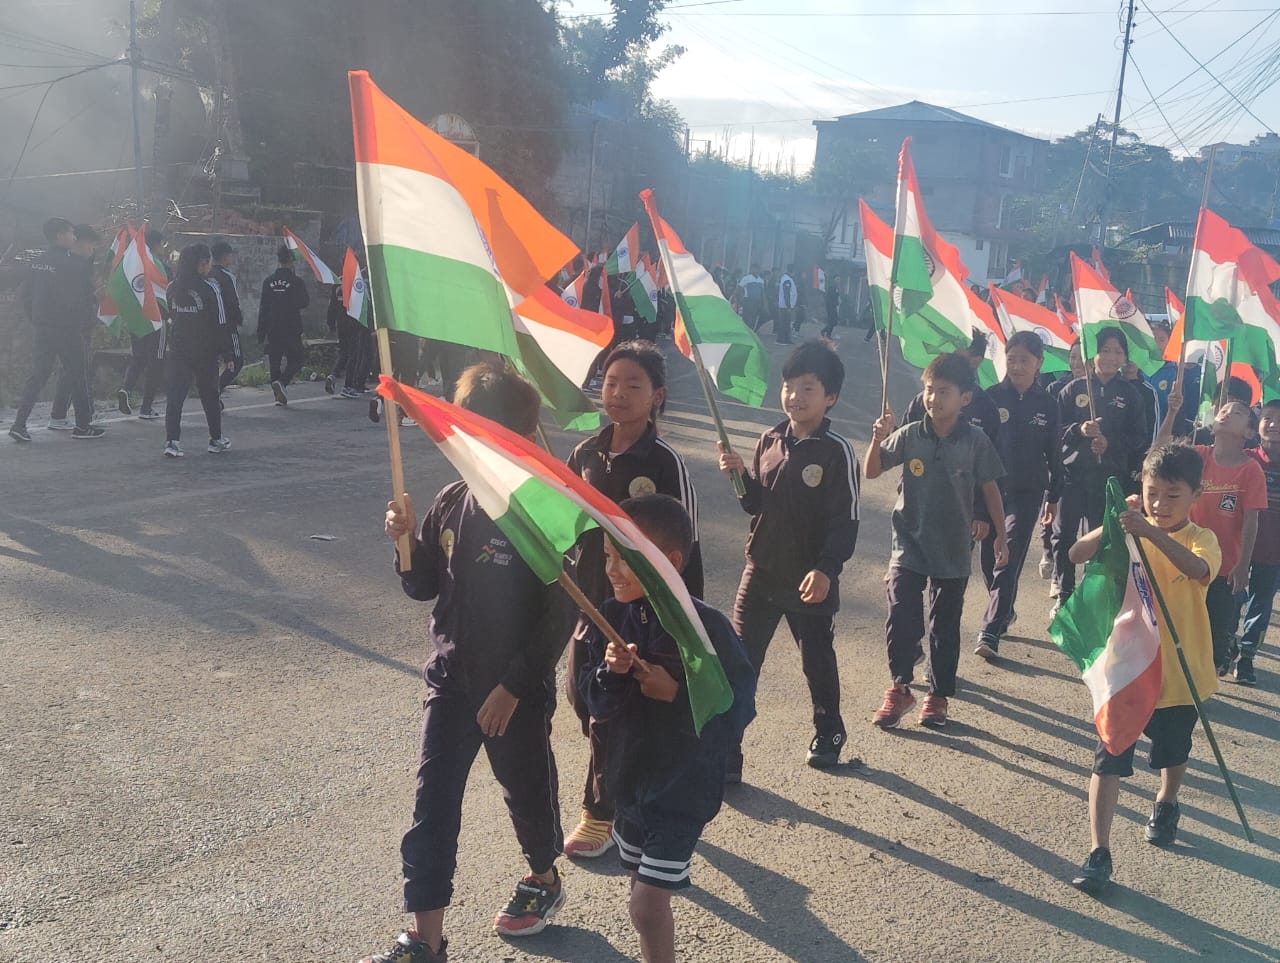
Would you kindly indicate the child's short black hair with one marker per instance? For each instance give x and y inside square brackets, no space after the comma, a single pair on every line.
[1273,403]
[86,232]
[1175,462]
[1111,334]
[154,237]
[815,358]
[952,368]
[648,357]
[977,345]
[221,249]
[664,520]
[499,394]
[1028,341]
[284,255]
[1251,416]
[1240,390]
[55,226]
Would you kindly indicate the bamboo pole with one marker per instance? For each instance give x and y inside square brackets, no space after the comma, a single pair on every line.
[886,350]
[1191,686]
[404,544]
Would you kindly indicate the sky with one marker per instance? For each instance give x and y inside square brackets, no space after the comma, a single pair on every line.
[1044,67]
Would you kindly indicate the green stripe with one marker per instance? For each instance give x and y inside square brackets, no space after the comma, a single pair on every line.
[441,298]
[1210,320]
[572,409]
[1143,350]
[640,297]
[744,373]
[129,312]
[911,273]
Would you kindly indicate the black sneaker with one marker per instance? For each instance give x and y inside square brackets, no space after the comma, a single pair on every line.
[149,414]
[409,949]
[1162,827]
[733,768]
[122,402]
[824,750]
[1244,671]
[375,410]
[329,383]
[277,389]
[89,431]
[531,908]
[988,646]
[19,433]
[1095,873]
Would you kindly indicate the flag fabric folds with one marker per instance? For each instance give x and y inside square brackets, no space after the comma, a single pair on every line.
[1108,629]
[915,260]
[730,351]
[1018,314]
[625,256]
[135,288]
[543,508]
[354,289]
[304,255]
[1099,305]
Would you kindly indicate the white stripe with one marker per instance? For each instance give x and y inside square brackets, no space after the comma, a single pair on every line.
[413,210]
[633,852]
[573,355]
[666,863]
[1134,642]
[691,278]
[646,870]
[688,497]
[854,470]
[217,293]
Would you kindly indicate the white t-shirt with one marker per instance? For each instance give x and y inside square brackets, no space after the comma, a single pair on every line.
[786,291]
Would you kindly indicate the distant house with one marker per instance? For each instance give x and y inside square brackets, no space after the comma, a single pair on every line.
[973,174]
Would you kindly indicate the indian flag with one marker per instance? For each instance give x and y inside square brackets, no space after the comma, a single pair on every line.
[730,350]
[644,291]
[624,258]
[1069,320]
[558,345]
[135,289]
[543,508]
[354,289]
[945,322]
[1108,629]
[1099,305]
[915,260]
[1018,314]
[304,255]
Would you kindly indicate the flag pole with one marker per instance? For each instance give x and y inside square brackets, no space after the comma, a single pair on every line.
[404,545]
[1191,686]
[598,620]
[886,349]
[1226,377]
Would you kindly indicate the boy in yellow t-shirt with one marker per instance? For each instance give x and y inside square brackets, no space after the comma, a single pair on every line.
[1185,561]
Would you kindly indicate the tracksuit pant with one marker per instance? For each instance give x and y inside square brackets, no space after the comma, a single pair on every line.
[233,355]
[1258,601]
[52,346]
[186,365]
[1082,501]
[289,349]
[351,363]
[1022,511]
[522,763]
[1224,617]
[147,365]
[905,627]
[756,614]
[597,800]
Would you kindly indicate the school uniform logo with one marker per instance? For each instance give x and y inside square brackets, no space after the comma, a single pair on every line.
[1163,384]
[1082,401]
[916,467]
[493,554]
[1228,501]
[1039,420]
[640,485]
[811,475]
[446,543]
[1004,416]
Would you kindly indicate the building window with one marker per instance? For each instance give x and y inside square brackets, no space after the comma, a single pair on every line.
[977,245]
[1000,212]
[1006,161]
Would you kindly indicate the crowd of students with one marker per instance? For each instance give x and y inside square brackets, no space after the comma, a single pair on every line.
[990,467]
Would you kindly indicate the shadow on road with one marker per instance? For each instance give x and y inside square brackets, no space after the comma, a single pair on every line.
[1195,938]
[569,944]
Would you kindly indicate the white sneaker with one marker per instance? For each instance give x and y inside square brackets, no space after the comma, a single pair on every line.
[218,445]
[59,424]
[173,450]
[1046,568]
[277,389]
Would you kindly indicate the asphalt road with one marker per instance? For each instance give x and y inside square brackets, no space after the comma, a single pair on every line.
[208,728]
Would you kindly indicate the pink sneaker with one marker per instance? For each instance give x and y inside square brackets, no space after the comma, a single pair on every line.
[897,704]
[933,713]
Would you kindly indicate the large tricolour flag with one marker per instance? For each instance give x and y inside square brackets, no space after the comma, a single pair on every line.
[1018,314]
[135,288]
[543,508]
[1108,629]
[304,255]
[1099,305]
[454,251]
[730,351]
[915,260]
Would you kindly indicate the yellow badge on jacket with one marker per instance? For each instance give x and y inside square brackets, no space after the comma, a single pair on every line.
[916,467]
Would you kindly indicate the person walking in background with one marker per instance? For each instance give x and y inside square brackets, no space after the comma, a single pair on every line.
[197,343]
[146,363]
[224,259]
[84,246]
[57,296]
[832,298]
[788,298]
[284,295]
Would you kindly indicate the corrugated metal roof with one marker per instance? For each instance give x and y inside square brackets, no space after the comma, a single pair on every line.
[917,111]
[1180,231]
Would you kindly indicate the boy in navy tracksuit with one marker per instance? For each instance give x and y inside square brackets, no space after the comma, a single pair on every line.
[1029,445]
[490,682]
[802,494]
[667,779]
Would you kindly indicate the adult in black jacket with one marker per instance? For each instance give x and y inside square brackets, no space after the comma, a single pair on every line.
[57,297]
[86,241]
[194,348]
[230,315]
[284,295]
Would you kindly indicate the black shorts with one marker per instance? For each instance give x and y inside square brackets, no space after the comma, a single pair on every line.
[1169,730]
[659,854]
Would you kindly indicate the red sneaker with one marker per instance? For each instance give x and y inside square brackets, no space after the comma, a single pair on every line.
[531,908]
[934,711]
[897,703]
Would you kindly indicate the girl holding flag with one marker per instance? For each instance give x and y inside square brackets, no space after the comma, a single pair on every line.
[197,345]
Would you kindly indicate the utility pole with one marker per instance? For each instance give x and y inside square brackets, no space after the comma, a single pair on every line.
[1208,177]
[1115,129]
[135,64]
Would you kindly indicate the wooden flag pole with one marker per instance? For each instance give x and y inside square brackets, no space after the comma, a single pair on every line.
[544,440]
[704,379]
[1226,377]
[886,350]
[1191,686]
[590,611]
[404,544]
